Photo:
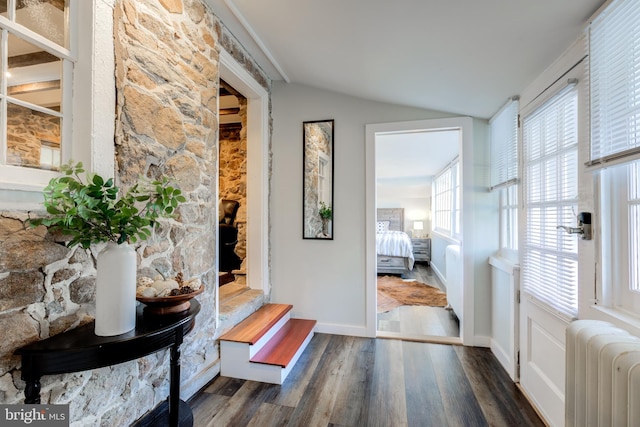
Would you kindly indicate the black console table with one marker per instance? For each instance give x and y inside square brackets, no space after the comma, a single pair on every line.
[81,349]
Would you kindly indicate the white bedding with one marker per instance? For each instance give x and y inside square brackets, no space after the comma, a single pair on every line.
[395,243]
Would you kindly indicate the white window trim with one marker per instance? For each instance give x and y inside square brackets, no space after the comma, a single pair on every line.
[613,291]
[505,209]
[602,306]
[452,234]
[503,127]
[92,98]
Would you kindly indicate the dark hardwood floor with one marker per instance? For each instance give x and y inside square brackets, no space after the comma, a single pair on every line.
[352,381]
[420,320]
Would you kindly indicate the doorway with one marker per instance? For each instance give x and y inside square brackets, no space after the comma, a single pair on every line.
[412,302]
[257,158]
[374,135]
[232,185]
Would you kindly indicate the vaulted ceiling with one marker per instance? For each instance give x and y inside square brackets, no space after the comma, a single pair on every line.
[459,56]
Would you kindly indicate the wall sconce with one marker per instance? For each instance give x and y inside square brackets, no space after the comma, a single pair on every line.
[418,226]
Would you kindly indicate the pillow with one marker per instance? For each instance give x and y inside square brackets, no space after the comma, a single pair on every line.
[383,226]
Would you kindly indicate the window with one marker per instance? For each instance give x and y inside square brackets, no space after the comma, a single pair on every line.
[550,191]
[36,66]
[509,221]
[447,202]
[50,155]
[504,173]
[62,49]
[620,207]
[614,52]
[457,201]
[324,179]
[443,202]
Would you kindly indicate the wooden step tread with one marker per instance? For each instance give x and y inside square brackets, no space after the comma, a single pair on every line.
[285,343]
[251,329]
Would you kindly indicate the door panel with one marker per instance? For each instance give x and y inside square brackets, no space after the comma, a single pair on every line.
[542,354]
[552,138]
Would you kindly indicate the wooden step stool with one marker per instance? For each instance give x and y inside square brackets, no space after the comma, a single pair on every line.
[266,345]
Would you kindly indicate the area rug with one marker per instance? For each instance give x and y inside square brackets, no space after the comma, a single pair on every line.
[394,292]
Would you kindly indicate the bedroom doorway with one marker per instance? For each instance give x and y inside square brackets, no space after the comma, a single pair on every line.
[415,187]
[411,218]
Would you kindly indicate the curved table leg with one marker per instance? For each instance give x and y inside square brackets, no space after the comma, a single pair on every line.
[32,391]
[174,385]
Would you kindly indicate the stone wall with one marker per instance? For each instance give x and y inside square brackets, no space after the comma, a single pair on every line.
[233,172]
[167,82]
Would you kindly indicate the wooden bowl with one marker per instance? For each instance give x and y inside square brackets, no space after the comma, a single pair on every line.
[170,304]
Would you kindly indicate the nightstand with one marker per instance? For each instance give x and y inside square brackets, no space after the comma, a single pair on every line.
[421,249]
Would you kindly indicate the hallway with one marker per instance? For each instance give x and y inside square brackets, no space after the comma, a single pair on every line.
[352,381]
[420,320]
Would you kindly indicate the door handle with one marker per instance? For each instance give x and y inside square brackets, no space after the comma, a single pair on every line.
[583,228]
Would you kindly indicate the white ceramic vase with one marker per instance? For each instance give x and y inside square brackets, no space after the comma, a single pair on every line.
[116,290]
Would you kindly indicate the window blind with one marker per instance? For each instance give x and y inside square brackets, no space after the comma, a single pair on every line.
[550,190]
[614,57]
[504,145]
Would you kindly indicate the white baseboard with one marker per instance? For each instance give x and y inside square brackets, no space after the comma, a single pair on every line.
[504,359]
[194,384]
[349,330]
[481,341]
[439,274]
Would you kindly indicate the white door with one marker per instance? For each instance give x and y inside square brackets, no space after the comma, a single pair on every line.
[548,255]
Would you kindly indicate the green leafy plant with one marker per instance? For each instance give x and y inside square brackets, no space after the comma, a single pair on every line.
[90,211]
[325,211]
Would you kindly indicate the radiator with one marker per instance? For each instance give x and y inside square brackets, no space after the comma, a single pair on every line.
[602,375]
[453,271]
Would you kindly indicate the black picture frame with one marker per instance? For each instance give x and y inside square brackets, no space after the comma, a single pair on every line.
[317,172]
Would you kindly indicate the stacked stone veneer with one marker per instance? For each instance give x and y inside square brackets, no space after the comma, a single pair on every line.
[26,129]
[233,172]
[167,81]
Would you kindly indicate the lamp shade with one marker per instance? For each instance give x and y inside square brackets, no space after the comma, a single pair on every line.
[418,225]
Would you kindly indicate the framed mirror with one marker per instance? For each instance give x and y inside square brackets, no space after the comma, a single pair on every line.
[317,190]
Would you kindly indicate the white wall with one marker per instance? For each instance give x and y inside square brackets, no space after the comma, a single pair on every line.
[414,198]
[484,223]
[438,246]
[323,279]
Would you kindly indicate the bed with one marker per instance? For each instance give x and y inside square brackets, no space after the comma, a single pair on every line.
[393,245]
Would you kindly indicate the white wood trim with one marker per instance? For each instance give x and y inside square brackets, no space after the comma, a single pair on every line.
[255,348]
[338,329]
[504,264]
[419,338]
[92,99]
[257,170]
[36,39]
[35,107]
[4,44]
[439,274]
[12,9]
[465,124]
